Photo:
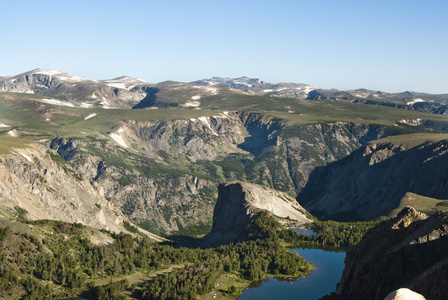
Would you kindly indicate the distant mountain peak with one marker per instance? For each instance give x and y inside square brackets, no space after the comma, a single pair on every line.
[126,78]
[58,74]
[44,71]
[259,87]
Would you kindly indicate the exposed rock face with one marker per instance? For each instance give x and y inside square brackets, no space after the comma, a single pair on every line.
[196,138]
[371,181]
[151,192]
[30,179]
[155,186]
[239,202]
[122,92]
[406,251]
[169,173]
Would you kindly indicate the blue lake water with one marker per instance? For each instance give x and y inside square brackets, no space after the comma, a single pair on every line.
[322,281]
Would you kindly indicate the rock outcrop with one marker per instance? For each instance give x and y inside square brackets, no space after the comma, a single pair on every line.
[404,294]
[406,251]
[372,180]
[240,202]
[42,183]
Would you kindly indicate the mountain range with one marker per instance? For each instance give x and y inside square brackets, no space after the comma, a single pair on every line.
[129,92]
[157,152]
[205,158]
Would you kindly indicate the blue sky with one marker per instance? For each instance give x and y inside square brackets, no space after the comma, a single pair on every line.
[392,45]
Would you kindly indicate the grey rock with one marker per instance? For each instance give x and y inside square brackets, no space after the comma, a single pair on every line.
[239,203]
[371,181]
[406,251]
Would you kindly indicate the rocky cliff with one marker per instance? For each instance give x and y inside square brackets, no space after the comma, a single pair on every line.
[164,174]
[406,251]
[40,182]
[372,180]
[239,203]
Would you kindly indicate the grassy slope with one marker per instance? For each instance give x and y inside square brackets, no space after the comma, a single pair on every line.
[412,140]
[423,204]
[21,110]
[297,111]
[7,142]
[25,112]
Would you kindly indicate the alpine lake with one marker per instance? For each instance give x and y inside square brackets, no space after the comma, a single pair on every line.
[321,281]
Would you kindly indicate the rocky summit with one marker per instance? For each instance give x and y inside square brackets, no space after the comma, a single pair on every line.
[240,202]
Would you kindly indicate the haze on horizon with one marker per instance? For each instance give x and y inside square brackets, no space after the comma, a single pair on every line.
[391,46]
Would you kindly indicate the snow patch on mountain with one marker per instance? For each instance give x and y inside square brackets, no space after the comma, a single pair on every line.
[86,105]
[57,102]
[105,104]
[25,156]
[411,122]
[60,75]
[118,85]
[124,82]
[191,104]
[205,121]
[259,87]
[117,137]
[213,91]
[415,101]
[90,116]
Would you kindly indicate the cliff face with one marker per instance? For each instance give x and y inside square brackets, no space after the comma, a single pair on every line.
[161,173]
[239,203]
[164,174]
[48,188]
[406,251]
[371,181]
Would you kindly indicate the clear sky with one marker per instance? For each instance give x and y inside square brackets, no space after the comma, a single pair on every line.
[388,45]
